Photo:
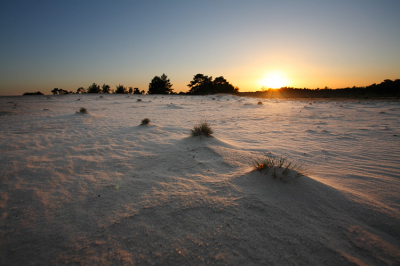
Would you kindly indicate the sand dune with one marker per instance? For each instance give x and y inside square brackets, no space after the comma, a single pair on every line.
[100,189]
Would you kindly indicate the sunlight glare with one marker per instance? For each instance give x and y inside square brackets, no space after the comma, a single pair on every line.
[274,80]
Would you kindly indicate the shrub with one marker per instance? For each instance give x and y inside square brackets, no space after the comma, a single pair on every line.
[82,110]
[259,103]
[145,121]
[139,100]
[280,167]
[203,128]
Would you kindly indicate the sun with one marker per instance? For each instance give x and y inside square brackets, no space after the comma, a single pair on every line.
[274,80]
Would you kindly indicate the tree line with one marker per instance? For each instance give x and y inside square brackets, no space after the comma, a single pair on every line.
[203,85]
[200,85]
[387,88]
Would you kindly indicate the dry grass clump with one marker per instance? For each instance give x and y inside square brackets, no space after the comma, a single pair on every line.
[82,110]
[280,167]
[139,100]
[145,122]
[202,128]
[259,103]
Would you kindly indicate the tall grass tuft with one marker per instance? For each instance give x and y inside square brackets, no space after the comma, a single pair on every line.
[202,128]
[280,167]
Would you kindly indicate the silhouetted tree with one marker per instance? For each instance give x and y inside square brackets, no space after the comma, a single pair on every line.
[130,91]
[136,91]
[221,85]
[94,88]
[80,90]
[54,91]
[160,85]
[200,84]
[105,88]
[61,91]
[120,89]
[33,93]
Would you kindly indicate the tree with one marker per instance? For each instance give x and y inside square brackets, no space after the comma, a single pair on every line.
[130,91]
[221,85]
[55,91]
[201,84]
[80,90]
[105,88]
[94,88]
[61,91]
[160,85]
[120,89]
[33,93]
[136,91]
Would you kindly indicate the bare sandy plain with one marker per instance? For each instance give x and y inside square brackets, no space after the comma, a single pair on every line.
[99,189]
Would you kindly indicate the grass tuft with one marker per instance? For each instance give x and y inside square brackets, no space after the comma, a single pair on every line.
[145,121]
[202,128]
[259,103]
[280,167]
[82,110]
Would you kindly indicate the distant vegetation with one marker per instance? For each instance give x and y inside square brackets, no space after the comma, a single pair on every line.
[204,85]
[105,88]
[120,89]
[160,85]
[387,88]
[94,88]
[33,93]
[201,85]
[60,91]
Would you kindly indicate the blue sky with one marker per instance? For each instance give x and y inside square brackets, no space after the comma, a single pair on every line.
[69,44]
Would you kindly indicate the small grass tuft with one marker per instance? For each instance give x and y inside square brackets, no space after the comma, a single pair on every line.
[202,128]
[82,110]
[139,100]
[145,121]
[259,103]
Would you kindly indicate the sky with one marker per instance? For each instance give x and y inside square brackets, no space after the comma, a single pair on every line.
[70,44]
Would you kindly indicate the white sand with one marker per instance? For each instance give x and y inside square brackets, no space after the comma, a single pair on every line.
[98,189]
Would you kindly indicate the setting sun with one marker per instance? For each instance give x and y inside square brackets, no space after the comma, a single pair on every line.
[274,80]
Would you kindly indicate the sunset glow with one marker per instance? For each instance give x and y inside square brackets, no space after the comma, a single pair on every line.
[337,44]
[274,80]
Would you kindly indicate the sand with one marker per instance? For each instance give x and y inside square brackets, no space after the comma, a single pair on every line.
[100,189]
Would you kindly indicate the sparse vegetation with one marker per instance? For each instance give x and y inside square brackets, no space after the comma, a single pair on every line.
[82,110]
[202,128]
[259,103]
[145,121]
[280,167]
